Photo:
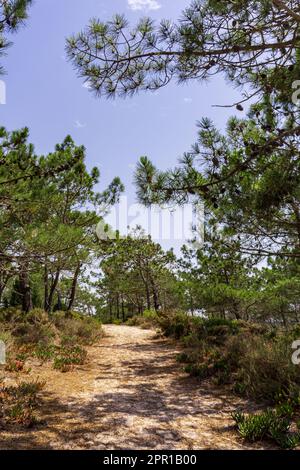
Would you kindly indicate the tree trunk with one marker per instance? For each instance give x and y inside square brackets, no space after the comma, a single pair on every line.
[118,307]
[110,310]
[148,297]
[2,288]
[123,308]
[52,291]
[46,286]
[25,290]
[155,296]
[73,288]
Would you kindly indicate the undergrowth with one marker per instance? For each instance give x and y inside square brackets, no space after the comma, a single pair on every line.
[254,360]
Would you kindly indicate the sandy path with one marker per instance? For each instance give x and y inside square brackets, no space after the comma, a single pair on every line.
[131,395]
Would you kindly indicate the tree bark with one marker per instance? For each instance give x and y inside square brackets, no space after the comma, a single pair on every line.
[155,296]
[73,288]
[25,290]
[52,291]
[123,308]
[46,286]
[118,307]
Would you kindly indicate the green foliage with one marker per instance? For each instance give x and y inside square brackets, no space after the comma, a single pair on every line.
[255,362]
[118,60]
[85,331]
[13,13]
[150,315]
[45,352]
[182,325]
[183,357]
[264,368]
[271,424]
[149,319]
[27,333]
[177,324]
[136,275]
[48,214]
[57,338]
[18,403]
[69,356]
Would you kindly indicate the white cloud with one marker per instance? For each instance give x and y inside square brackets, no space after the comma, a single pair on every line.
[79,125]
[144,5]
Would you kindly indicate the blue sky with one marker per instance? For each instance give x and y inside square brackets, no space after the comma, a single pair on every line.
[44,94]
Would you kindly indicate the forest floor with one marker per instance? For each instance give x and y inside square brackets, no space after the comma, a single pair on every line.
[131,394]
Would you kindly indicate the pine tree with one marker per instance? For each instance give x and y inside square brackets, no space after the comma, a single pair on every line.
[241,39]
[13,13]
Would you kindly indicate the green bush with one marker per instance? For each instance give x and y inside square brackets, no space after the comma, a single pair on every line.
[56,337]
[271,424]
[69,356]
[180,325]
[36,316]
[149,319]
[84,331]
[33,333]
[45,352]
[183,357]
[10,314]
[150,315]
[252,358]
[202,371]
[175,324]
[264,369]
[18,403]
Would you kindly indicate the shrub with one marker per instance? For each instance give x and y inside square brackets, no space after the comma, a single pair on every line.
[10,314]
[264,369]
[148,320]
[45,352]
[150,315]
[36,315]
[254,360]
[176,324]
[202,371]
[183,357]
[181,324]
[85,331]
[33,333]
[18,403]
[14,365]
[54,337]
[67,357]
[271,424]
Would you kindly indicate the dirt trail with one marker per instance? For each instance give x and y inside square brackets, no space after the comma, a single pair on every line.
[132,394]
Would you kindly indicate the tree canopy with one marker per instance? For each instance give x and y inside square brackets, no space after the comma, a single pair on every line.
[13,14]
[240,39]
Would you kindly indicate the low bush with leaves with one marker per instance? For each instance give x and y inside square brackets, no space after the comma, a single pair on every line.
[83,330]
[56,337]
[274,425]
[254,359]
[149,319]
[68,357]
[18,404]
